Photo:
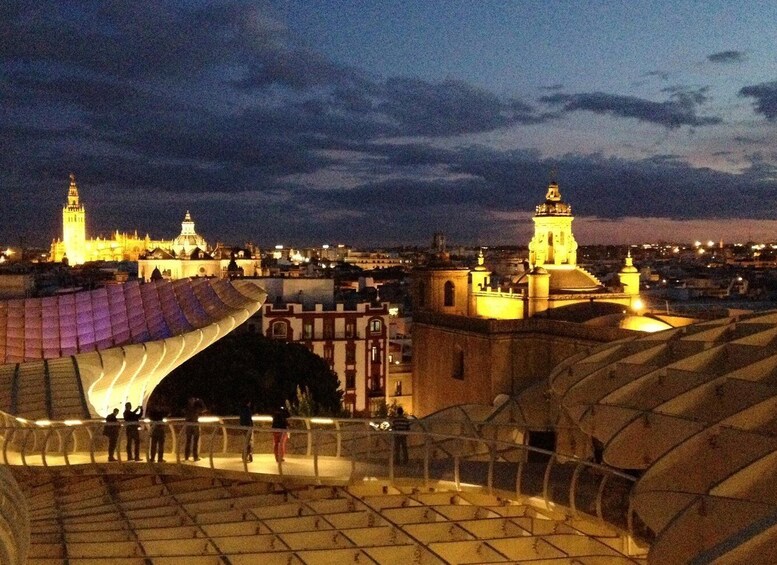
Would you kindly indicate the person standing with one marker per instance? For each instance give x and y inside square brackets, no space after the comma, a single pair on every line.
[400,423]
[280,423]
[195,408]
[157,416]
[247,421]
[131,419]
[111,431]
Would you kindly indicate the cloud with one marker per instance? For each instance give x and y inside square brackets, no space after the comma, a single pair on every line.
[727,57]
[765,95]
[161,107]
[662,75]
[679,110]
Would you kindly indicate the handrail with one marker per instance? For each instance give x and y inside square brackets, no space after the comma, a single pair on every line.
[351,454]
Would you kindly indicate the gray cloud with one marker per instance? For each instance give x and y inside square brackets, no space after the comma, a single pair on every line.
[679,110]
[727,57]
[159,108]
[765,95]
[662,75]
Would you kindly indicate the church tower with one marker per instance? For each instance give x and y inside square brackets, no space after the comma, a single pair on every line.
[553,242]
[74,226]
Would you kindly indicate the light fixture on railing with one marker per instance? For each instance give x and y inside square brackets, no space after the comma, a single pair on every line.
[208,419]
[43,423]
[322,421]
[261,418]
[72,422]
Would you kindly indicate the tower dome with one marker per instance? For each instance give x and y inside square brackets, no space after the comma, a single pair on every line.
[189,240]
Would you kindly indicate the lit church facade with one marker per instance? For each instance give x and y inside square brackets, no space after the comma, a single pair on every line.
[474,340]
[186,256]
[76,249]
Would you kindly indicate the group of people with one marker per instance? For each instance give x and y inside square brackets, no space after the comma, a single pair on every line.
[195,407]
[280,422]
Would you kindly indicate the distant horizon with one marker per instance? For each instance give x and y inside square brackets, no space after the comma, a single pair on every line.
[385,121]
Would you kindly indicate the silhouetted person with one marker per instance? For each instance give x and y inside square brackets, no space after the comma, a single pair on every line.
[400,423]
[111,431]
[195,407]
[280,421]
[247,421]
[131,419]
[157,414]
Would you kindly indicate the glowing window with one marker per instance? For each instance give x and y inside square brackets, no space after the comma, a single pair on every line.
[449,294]
[280,330]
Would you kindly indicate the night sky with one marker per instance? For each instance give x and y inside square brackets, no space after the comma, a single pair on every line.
[304,123]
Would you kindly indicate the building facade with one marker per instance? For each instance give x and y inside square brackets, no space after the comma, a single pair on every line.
[76,248]
[352,340]
[474,339]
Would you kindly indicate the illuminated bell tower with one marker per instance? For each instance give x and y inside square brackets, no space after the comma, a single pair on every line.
[74,226]
[553,242]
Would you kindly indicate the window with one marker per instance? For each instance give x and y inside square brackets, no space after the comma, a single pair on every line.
[329,354]
[329,328]
[376,326]
[350,328]
[398,388]
[375,354]
[279,330]
[350,379]
[458,364]
[450,297]
[350,353]
[307,329]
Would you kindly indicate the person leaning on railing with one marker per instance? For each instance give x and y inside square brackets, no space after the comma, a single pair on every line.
[131,419]
[111,431]
[246,420]
[195,408]
[400,423]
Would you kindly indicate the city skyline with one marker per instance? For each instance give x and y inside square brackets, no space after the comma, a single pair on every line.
[384,122]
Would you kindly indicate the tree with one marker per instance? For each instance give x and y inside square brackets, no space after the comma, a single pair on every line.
[251,366]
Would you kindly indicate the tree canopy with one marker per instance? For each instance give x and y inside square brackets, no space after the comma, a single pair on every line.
[247,366]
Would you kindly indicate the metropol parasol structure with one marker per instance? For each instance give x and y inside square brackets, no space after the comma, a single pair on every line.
[684,419]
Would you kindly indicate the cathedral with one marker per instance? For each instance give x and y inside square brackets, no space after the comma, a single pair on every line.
[475,338]
[76,249]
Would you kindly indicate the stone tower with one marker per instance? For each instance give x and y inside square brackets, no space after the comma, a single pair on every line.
[553,242]
[74,226]
[629,277]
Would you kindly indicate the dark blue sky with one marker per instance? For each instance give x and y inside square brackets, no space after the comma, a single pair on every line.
[380,122]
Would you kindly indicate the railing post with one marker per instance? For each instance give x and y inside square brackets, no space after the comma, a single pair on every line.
[599,496]
[546,480]
[426,459]
[339,439]
[91,444]
[391,458]
[6,440]
[69,432]
[45,446]
[210,447]
[246,442]
[456,474]
[315,458]
[518,477]
[310,436]
[573,489]
[491,461]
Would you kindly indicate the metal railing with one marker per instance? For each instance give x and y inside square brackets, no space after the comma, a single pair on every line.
[341,452]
